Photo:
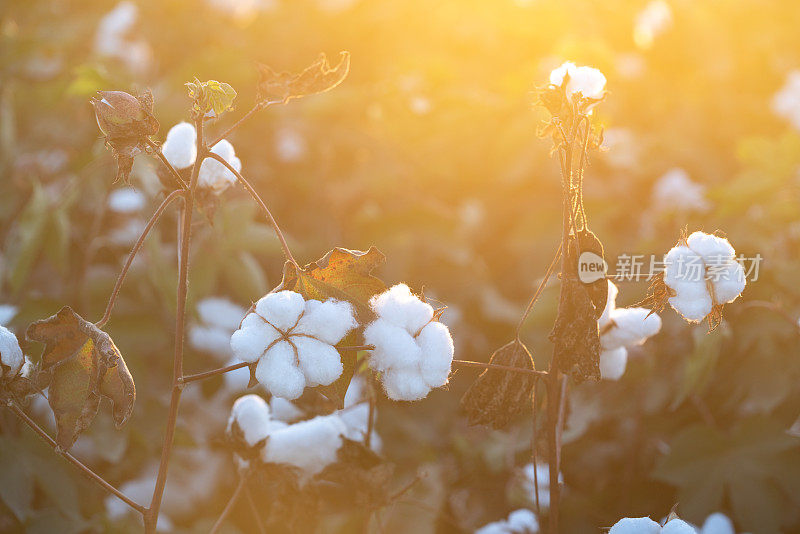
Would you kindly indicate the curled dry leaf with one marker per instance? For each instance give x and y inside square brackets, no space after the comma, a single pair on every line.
[316,78]
[341,274]
[497,396]
[84,365]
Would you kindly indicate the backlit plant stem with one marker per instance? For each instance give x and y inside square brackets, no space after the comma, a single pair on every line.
[91,475]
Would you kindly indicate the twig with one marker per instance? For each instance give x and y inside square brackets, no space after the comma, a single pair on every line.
[151,515]
[254,509]
[229,506]
[539,290]
[258,107]
[136,247]
[534,454]
[371,414]
[214,372]
[91,475]
[508,368]
[160,155]
[264,208]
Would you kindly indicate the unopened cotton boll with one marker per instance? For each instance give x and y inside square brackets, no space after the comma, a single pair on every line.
[613,363]
[11,355]
[308,445]
[180,147]
[293,341]
[216,176]
[413,352]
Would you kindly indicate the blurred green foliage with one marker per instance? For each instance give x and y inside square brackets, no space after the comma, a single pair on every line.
[429,151]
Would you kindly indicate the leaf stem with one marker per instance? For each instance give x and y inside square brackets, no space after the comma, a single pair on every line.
[136,247]
[214,372]
[160,155]
[539,290]
[495,367]
[91,475]
[229,506]
[264,208]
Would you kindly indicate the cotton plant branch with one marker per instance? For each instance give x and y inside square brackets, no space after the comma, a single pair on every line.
[230,504]
[87,471]
[255,109]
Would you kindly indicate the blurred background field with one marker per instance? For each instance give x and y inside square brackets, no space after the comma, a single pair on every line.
[429,151]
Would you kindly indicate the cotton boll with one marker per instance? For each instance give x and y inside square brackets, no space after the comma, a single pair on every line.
[250,414]
[210,339]
[180,147]
[693,310]
[523,521]
[278,372]
[729,282]
[404,384]
[220,312]
[284,410]
[402,308]
[635,525]
[682,264]
[587,81]
[632,326]
[327,321]
[11,355]
[309,445]
[356,419]
[126,200]
[437,353]
[613,363]
[281,309]
[7,313]
[611,304]
[717,524]
[676,191]
[678,526]
[238,379]
[319,361]
[558,74]
[213,174]
[252,339]
[394,346]
[714,250]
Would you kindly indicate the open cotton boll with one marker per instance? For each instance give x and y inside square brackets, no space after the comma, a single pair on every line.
[250,414]
[309,445]
[678,526]
[611,304]
[587,81]
[394,346]
[126,200]
[630,326]
[676,191]
[7,313]
[613,363]
[401,307]
[220,312]
[521,521]
[213,174]
[405,384]
[250,341]
[180,147]
[284,410]
[327,321]
[278,372]
[11,355]
[717,523]
[729,281]
[541,474]
[281,309]
[320,362]
[238,379]
[635,525]
[210,339]
[437,353]
[714,250]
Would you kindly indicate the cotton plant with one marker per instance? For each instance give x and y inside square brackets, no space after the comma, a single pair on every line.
[292,341]
[714,524]
[522,521]
[676,191]
[218,319]
[180,149]
[702,274]
[620,329]
[413,351]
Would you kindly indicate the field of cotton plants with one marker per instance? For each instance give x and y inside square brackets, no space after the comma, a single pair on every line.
[383,266]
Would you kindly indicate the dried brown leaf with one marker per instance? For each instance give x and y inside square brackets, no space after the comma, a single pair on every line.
[316,78]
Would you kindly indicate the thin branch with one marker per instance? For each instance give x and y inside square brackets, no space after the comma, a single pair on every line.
[229,506]
[151,515]
[370,414]
[91,475]
[254,509]
[255,109]
[264,208]
[136,247]
[534,453]
[539,290]
[214,372]
[160,155]
[468,363]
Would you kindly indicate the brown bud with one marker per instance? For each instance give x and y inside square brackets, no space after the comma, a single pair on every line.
[497,396]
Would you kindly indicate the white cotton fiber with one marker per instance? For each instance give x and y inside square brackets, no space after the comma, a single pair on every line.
[10,353]
[635,525]
[220,312]
[320,362]
[180,147]
[281,309]
[404,384]
[250,341]
[216,176]
[237,380]
[284,410]
[729,282]
[309,445]
[278,372]
[437,353]
[613,363]
[402,308]
[611,304]
[394,346]
[714,250]
[678,526]
[717,524]
[210,339]
[587,81]
[327,321]
[251,414]
[693,310]
[631,326]
[523,521]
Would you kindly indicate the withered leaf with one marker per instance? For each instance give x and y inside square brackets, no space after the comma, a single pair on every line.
[360,477]
[316,78]
[341,274]
[85,365]
[497,396]
[575,335]
[598,290]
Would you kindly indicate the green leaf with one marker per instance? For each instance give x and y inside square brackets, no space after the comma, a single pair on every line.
[211,96]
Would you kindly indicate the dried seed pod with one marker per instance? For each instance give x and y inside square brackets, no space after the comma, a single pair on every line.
[575,334]
[497,396]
